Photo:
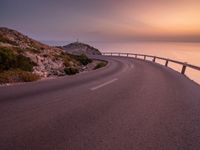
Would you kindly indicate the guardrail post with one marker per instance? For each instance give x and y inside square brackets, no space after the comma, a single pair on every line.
[111,54]
[166,63]
[119,54]
[183,68]
[154,59]
[127,54]
[144,57]
[135,55]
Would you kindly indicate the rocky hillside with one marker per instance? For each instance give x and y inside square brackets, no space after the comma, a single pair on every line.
[21,53]
[78,48]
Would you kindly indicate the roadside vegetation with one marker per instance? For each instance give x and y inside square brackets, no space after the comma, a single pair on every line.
[15,67]
[82,59]
[70,60]
[100,65]
[10,60]
[71,70]
[12,76]
[21,57]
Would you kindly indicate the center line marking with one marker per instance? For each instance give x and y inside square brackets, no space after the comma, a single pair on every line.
[103,84]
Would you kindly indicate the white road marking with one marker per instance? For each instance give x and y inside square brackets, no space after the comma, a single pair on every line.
[103,84]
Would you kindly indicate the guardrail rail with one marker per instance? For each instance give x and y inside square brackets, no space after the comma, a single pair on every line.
[184,64]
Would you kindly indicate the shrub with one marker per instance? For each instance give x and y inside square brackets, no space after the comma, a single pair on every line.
[12,76]
[7,59]
[82,59]
[100,65]
[10,60]
[71,71]
[24,63]
[65,58]
[76,59]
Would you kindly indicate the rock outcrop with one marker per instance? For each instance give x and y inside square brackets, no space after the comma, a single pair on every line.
[78,48]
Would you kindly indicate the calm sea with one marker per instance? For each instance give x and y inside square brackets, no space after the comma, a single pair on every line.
[185,52]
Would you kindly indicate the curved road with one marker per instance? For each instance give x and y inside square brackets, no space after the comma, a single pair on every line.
[127,105]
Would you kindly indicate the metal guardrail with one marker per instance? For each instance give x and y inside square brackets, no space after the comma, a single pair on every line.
[184,64]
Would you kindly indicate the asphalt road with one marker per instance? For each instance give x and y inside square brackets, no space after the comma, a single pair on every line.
[127,105]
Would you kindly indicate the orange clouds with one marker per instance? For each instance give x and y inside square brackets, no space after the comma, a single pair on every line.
[165,19]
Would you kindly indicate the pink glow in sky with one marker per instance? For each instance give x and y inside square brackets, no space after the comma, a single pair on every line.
[105,20]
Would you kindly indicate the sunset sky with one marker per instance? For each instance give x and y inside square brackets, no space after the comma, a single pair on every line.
[104,20]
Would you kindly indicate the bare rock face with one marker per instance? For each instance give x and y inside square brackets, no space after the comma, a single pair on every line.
[78,48]
[47,58]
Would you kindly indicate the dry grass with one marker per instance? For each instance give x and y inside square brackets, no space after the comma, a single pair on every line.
[13,76]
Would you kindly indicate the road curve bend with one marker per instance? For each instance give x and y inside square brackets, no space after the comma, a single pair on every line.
[128,105]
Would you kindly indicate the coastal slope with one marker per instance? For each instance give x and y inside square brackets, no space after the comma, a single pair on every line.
[24,58]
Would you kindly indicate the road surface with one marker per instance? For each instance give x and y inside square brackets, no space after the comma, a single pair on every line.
[127,105]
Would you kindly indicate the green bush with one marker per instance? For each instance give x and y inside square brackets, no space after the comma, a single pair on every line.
[13,76]
[65,58]
[71,71]
[7,59]
[100,65]
[76,59]
[10,60]
[82,59]
[24,63]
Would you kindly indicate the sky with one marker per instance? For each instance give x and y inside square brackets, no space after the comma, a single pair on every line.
[104,20]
